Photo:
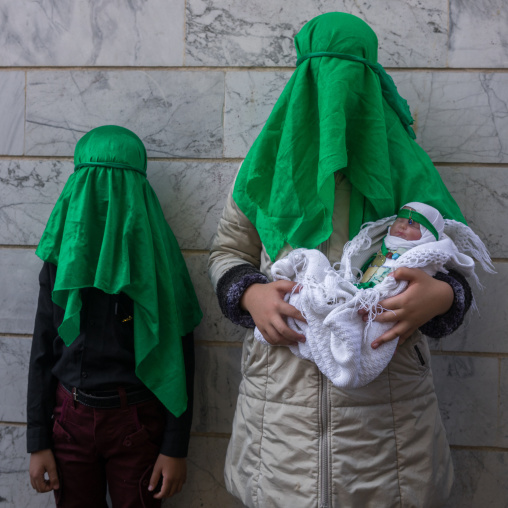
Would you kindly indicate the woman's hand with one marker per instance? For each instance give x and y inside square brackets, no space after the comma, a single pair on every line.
[266,305]
[423,299]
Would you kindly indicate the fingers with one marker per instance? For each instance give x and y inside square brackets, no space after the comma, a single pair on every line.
[165,489]
[409,274]
[283,336]
[154,479]
[400,330]
[53,483]
[289,310]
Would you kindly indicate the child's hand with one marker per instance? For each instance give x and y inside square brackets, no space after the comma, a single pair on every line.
[424,298]
[174,475]
[266,305]
[43,462]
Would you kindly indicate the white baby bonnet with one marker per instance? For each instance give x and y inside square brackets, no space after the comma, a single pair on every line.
[337,338]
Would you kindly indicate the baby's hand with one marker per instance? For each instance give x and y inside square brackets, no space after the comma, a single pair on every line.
[174,475]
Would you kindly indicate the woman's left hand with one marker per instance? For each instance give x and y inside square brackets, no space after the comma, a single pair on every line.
[423,299]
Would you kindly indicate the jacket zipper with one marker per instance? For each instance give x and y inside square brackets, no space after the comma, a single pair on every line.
[324,445]
[324,448]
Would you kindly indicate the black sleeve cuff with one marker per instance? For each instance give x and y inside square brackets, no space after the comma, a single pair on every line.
[445,324]
[230,289]
[38,438]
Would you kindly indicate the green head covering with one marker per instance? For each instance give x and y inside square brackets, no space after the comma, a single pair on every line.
[340,111]
[107,230]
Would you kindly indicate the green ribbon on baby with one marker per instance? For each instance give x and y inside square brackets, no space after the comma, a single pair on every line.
[108,231]
[406,213]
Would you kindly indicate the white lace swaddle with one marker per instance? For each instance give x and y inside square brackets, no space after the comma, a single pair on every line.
[337,338]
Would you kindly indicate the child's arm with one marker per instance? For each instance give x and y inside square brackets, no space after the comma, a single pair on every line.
[41,390]
[171,463]
[245,295]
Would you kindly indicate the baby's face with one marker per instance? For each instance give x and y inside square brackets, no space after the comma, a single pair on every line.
[403,229]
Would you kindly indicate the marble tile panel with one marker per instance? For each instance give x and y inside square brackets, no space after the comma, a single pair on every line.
[485,330]
[12,112]
[192,196]
[459,116]
[205,477]
[28,192]
[15,488]
[19,280]
[467,388]
[478,35]
[216,387]
[175,113]
[482,194]
[503,400]
[14,361]
[86,33]
[261,33]
[481,479]
[250,97]
[214,326]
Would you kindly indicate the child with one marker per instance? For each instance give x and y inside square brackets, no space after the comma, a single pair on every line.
[338,339]
[111,369]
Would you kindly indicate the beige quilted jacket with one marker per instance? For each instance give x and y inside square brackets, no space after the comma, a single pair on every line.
[300,442]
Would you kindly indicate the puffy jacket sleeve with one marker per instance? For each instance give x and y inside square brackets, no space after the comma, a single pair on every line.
[234,262]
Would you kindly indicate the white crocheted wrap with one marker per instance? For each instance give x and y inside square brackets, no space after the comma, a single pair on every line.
[337,338]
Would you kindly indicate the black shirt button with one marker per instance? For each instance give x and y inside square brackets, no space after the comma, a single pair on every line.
[84,375]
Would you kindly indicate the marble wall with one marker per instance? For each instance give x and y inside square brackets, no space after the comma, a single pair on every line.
[196,80]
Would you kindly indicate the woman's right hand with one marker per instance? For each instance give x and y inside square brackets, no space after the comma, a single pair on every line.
[265,303]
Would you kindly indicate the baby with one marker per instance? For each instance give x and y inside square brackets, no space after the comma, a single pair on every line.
[337,338]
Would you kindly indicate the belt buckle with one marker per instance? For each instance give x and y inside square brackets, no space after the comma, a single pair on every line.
[74,394]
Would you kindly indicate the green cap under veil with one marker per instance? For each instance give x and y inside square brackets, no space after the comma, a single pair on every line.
[107,230]
[340,111]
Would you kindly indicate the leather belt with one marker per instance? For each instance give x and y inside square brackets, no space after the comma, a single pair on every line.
[108,399]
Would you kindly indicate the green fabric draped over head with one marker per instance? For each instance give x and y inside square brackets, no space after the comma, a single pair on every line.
[107,231]
[339,112]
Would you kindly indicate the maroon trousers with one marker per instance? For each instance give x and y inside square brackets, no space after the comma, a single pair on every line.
[98,447]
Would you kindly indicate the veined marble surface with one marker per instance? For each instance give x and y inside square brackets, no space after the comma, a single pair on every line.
[89,32]
[14,361]
[176,114]
[261,32]
[482,194]
[483,330]
[19,280]
[28,192]
[12,112]
[460,116]
[192,196]
[481,479]
[214,326]
[478,33]
[467,389]
[216,387]
[250,97]
[205,479]
[15,488]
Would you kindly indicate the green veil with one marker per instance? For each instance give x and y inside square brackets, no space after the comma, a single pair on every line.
[107,230]
[340,111]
